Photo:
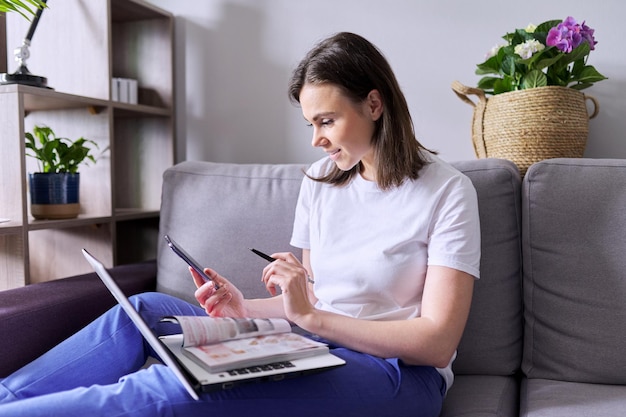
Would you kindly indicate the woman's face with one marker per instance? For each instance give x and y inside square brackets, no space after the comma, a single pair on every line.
[343,129]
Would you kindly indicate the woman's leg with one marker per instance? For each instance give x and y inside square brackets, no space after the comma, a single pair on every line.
[365,386]
[146,393]
[101,353]
[111,347]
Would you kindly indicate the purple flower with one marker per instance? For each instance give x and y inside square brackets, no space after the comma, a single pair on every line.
[587,33]
[568,34]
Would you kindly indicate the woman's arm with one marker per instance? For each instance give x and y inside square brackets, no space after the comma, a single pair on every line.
[306,262]
[427,340]
[430,339]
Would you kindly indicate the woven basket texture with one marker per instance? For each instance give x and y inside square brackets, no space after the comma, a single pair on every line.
[528,126]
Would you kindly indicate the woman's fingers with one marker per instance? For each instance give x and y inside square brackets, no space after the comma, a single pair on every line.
[197,279]
[206,289]
[287,257]
[216,309]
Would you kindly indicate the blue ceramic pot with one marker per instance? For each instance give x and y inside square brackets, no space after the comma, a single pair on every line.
[54,195]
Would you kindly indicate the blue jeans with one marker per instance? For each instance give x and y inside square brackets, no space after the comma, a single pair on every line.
[97,372]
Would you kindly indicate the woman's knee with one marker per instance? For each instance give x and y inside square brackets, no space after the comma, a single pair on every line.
[147,299]
[156,305]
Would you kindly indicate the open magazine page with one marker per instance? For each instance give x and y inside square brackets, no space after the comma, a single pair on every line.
[199,331]
[254,351]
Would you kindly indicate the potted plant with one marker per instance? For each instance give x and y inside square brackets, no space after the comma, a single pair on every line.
[54,191]
[535,110]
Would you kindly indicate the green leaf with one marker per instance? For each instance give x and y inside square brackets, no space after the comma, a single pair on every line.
[589,75]
[486,83]
[26,8]
[542,59]
[546,26]
[577,53]
[503,86]
[490,66]
[580,52]
[581,86]
[577,68]
[508,65]
[534,79]
[520,36]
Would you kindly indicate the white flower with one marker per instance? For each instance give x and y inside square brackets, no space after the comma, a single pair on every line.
[528,48]
[530,28]
[493,51]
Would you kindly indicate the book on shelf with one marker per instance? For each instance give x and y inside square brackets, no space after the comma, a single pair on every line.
[222,344]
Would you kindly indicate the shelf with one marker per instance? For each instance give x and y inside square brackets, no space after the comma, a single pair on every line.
[42,99]
[80,221]
[138,110]
[125,11]
[79,47]
[37,99]
[10,227]
[135,214]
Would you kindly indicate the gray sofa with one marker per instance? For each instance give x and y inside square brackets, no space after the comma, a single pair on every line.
[546,334]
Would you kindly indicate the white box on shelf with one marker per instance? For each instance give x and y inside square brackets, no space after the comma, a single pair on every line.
[115,89]
[124,90]
[132,91]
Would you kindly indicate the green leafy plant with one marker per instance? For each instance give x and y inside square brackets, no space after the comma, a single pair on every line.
[58,154]
[552,53]
[25,7]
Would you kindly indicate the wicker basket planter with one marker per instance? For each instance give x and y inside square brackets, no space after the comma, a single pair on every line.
[528,126]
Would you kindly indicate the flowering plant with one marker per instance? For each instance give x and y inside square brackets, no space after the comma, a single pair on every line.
[553,53]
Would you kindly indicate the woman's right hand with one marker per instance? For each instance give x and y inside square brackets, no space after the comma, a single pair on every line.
[227,301]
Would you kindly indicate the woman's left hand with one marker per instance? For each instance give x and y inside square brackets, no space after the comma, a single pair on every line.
[291,276]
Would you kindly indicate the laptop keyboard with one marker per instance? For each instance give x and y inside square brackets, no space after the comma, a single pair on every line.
[261,368]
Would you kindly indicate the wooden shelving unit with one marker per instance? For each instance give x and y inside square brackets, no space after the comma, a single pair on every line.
[80,45]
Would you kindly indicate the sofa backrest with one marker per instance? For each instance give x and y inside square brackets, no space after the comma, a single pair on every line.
[216,211]
[492,341]
[574,240]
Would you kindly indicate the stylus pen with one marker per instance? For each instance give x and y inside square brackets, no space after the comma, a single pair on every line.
[270,259]
[262,255]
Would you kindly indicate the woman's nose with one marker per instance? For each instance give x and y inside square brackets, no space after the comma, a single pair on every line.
[318,139]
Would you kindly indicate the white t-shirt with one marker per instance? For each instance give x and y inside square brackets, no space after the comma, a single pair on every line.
[370,248]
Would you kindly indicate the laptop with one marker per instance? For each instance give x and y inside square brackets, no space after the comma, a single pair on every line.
[194,378]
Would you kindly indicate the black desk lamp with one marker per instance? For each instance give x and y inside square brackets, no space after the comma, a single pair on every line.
[22,75]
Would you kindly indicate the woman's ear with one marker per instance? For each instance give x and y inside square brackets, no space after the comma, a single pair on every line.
[374,104]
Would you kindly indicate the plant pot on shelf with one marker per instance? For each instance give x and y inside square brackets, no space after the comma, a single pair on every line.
[54,195]
[528,126]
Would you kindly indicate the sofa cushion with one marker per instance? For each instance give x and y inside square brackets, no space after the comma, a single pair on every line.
[216,211]
[492,341]
[482,396]
[547,398]
[574,241]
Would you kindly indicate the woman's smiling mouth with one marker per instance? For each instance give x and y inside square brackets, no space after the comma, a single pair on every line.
[334,154]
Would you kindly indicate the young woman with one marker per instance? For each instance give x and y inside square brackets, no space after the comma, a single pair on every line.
[391,248]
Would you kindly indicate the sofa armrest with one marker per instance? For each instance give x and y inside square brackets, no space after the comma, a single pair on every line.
[37,317]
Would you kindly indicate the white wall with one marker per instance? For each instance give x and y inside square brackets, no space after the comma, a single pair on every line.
[235,58]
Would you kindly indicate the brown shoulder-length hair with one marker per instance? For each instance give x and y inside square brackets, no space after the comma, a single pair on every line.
[358,67]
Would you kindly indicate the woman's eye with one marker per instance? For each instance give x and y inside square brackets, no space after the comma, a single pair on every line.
[323,122]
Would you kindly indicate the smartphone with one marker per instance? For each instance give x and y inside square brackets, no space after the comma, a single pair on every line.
[178,250]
